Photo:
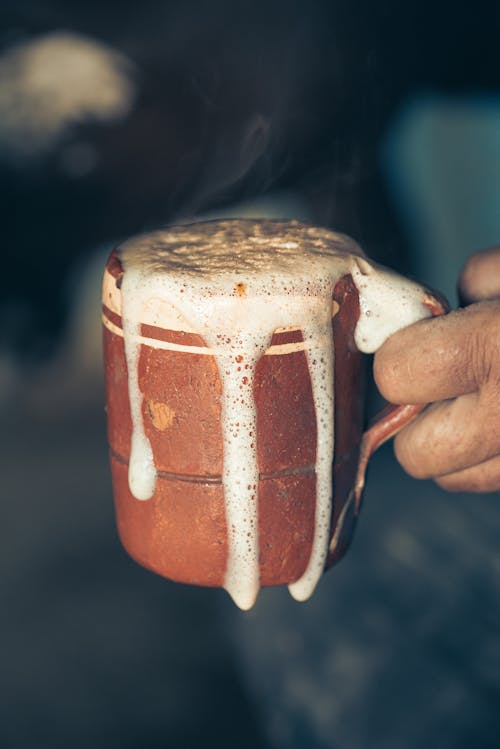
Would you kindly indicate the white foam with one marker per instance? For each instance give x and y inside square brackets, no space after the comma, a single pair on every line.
[320,362]
[236,283]
[388,303]
[141,471]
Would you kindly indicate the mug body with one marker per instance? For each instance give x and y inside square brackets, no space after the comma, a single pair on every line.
[181,531]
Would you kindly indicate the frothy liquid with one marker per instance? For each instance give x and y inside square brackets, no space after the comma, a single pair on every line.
[236,283]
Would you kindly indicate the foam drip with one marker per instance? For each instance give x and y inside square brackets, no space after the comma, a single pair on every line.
[141,472]
[320,362]
[236,283]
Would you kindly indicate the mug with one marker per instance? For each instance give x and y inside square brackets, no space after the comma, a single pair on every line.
[235,404]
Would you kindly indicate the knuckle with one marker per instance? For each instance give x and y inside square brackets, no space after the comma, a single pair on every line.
[491,334]
[483,345]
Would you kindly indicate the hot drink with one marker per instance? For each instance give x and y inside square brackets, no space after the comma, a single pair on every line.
[234,396]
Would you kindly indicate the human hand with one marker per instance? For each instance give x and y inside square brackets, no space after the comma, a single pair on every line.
[452,363]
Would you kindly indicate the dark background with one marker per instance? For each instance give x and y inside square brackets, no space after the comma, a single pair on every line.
[230,101]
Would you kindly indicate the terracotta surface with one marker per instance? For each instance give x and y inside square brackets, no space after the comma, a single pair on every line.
[181,533]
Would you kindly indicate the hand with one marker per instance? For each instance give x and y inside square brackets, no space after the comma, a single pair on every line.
[453,363]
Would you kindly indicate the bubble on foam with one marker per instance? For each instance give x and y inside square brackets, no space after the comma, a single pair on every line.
[288,273]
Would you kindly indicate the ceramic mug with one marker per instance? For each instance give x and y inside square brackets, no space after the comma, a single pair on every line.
[168,409]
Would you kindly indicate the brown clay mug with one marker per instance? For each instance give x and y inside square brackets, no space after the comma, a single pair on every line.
[235,397]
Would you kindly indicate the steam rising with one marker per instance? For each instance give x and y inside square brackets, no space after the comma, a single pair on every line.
[232,159]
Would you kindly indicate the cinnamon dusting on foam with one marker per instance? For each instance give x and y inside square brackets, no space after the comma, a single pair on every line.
[236,282]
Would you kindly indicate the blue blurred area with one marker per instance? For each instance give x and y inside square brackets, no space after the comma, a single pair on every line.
[441,157]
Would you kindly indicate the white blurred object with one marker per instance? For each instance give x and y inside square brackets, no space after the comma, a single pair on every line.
[53,81]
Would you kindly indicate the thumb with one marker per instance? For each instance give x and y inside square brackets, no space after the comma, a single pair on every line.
[480,277]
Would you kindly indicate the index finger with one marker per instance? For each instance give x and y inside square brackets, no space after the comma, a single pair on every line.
[439,358]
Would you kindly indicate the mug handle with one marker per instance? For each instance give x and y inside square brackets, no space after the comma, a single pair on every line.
[392,418]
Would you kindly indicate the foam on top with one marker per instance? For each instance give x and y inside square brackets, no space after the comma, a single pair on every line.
[236,282]
[218,254]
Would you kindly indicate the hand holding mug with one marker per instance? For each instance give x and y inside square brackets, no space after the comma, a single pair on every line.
[453,363]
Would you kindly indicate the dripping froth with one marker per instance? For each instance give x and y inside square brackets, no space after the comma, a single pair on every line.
[236,283]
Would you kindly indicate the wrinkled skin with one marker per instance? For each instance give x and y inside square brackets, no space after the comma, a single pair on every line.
[452,363]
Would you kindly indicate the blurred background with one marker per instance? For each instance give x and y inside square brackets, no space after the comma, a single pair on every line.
[381,120]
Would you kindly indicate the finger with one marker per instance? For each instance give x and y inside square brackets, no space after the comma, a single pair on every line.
[439,358]
[450,436]
[480,277]
[484,477]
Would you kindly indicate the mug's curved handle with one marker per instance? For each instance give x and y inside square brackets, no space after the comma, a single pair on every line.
[392,418]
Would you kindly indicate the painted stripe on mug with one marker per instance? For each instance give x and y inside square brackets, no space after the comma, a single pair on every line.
[193,339]
[157,314]
[276,350]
